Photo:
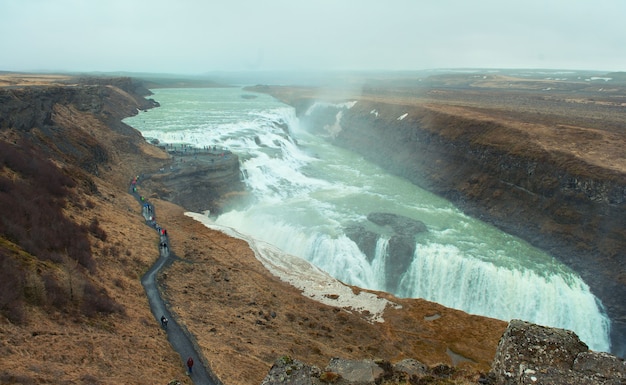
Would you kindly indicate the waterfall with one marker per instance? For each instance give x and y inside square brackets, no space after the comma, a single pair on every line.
[379,263]
[307,192]
[444,275]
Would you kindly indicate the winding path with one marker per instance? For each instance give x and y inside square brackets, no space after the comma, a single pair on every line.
[179,337]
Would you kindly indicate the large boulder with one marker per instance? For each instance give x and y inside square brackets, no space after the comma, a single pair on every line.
[400,225]
[534,354]
[411,367]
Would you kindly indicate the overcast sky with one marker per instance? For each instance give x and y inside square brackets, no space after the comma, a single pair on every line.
[196,36]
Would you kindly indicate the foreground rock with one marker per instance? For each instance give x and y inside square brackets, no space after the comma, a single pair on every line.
[400,232]
[288,371]
[533,354]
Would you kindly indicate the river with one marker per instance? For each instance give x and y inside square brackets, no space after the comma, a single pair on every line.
[307,191]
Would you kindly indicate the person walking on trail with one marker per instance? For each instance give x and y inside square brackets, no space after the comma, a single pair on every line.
[190,364]
[164,322]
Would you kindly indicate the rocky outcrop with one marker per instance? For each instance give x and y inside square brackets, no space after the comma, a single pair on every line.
[201,180]
[401,233]
[533,354]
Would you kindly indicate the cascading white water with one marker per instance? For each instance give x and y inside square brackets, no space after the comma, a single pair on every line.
[445,275]
[308,191]
[379,263]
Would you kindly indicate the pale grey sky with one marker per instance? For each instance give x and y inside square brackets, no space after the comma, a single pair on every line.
[196,36]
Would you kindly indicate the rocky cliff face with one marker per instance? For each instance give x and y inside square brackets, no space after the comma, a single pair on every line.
[401,232]
[72,242]
[574,210]
[201,180]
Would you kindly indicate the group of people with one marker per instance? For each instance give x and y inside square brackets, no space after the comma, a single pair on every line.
[148,213]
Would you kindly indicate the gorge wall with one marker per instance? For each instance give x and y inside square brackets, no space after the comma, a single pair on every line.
[573,210]
[200,180]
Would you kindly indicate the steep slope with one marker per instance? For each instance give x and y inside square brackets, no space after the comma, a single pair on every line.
[72,243]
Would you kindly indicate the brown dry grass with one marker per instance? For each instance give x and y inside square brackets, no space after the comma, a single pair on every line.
[592,145]
[27,79]
[56,347]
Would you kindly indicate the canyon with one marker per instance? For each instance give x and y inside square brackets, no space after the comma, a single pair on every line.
[565,199]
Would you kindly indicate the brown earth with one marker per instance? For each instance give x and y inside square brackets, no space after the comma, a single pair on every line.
[242,316]
[58,345]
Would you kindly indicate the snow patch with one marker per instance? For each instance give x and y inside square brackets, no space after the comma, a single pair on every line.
[403,116]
